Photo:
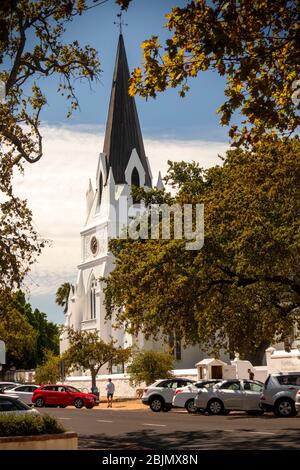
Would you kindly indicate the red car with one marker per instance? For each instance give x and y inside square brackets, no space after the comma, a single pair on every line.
[62,396]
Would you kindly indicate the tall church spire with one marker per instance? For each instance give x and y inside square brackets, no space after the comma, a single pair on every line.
[123,132]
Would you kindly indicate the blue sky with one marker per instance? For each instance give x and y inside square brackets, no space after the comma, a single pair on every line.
[173,128]
[167,115]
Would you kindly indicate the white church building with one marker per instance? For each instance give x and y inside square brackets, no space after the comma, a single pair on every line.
[122,163]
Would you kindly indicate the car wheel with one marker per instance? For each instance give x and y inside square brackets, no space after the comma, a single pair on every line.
[190,406]
[285,408]
[78,403]
[156,404]
[215,407]
[39,402]
[166,408]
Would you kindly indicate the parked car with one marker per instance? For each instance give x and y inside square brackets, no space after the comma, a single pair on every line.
[24,392]
[231,395]
[297,403]
[11,404]
[159,395]
[8,385]
[62,396]
[184,397]
[279,393]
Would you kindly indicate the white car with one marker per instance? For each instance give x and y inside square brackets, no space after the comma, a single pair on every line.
[184,397]
[8,385]
[23,392]
[231,395]
[159,395]
[11,404]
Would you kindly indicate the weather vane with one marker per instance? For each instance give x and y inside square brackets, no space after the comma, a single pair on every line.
[120,23]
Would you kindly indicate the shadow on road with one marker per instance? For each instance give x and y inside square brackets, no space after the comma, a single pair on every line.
[152,440]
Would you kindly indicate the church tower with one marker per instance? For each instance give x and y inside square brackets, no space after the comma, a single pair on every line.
[122,163]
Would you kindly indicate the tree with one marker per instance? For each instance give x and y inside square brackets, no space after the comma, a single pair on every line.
[19,336]
[31,47]
[27,332]
[49,371]
[62,295]
[88,351]
[149,366]
[253,44]
[47,333]
[241,291]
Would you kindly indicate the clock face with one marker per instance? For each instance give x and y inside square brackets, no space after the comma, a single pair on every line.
[94,245]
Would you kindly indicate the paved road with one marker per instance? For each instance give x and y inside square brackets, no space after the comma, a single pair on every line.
[143,429]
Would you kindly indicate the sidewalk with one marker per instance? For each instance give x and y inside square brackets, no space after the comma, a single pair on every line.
[122,404]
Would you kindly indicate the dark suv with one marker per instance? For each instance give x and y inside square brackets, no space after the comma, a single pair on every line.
[279,393]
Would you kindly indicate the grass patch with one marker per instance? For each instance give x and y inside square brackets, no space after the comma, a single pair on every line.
[28,425]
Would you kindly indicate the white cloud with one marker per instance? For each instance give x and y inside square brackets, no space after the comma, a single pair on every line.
[55,189]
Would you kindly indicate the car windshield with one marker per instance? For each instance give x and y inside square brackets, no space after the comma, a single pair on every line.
[73,389]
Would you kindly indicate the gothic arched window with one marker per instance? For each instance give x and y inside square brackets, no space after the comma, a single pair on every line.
[93,301]
[135,181]
[135,178]
[100,187]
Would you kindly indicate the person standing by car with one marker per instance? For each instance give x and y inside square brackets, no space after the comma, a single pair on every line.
[251,374]
[110,390]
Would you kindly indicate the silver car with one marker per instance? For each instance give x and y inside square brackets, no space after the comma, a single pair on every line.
[10,404]
[184,397]
[231,395]
[279,394]
[297,403]
[23,392]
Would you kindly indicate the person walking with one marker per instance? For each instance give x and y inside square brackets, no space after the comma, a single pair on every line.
[110,390]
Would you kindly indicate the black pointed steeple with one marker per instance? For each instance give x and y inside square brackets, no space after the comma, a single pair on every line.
[123,132]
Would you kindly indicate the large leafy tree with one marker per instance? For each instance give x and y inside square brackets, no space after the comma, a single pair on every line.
[26,331]
[254,44]
[241,292]
[19,336]
[32,47]
[88,351]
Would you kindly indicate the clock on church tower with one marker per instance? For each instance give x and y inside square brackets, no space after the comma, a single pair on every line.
[94,245]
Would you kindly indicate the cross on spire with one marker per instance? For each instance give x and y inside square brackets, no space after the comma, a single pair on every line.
[120,23]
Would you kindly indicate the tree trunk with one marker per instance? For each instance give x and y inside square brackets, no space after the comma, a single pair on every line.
[256,357]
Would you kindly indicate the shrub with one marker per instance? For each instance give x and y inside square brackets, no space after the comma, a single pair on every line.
[28,425]
[148,366]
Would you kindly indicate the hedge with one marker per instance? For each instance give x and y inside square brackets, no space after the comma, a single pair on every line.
[28,425]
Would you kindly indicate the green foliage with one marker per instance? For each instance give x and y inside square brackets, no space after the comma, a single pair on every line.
[254,44]
[26,332]
[49,371]
[62,295]
[88,351]
[149,366]
[28,425]
[17,333]
[241,291]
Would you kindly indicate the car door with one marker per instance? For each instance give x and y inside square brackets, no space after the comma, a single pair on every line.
[169,388]
[60,396]
[231,395]
[24,393]
[48,394]
[251,395]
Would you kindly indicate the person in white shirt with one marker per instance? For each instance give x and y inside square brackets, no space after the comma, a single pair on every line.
[110,390]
